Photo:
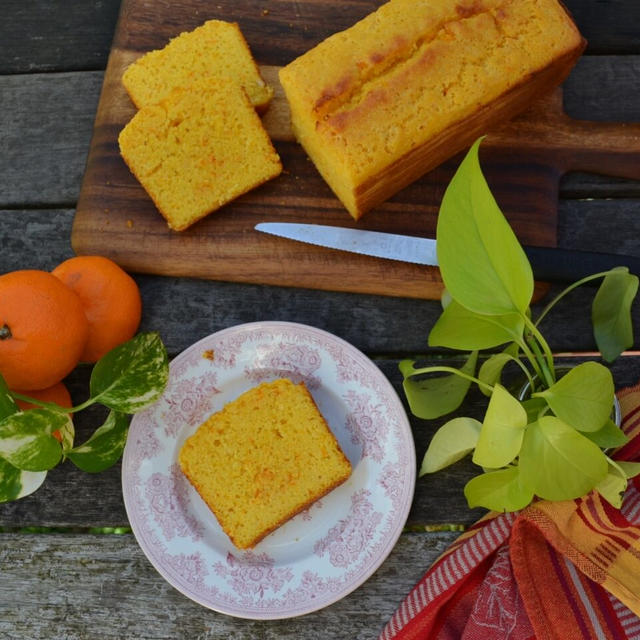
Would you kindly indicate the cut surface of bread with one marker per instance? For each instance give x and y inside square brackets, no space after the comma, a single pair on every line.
[263,458]
[197,149]
[215,49]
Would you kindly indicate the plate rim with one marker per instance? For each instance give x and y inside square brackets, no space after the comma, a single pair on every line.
[390,542]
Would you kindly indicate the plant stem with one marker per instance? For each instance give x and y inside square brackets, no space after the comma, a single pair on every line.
[52,405]
[525,371]
[564,292]
[531,357]
[545,360]
[466,376]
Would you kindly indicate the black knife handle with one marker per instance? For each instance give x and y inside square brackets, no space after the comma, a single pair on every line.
[568,265]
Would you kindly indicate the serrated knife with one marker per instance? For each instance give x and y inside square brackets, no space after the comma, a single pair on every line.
[548,264]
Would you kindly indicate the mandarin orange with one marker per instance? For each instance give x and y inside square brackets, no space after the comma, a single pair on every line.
[43,329]
[111,301]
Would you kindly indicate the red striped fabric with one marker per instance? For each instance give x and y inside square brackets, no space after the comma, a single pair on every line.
[565,570]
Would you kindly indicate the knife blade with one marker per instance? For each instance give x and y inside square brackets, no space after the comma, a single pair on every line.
[548,263]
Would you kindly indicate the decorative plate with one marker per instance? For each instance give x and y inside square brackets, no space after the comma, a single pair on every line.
[320,555]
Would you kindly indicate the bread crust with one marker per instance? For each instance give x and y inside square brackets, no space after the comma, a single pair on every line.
[414,83]
[461,135]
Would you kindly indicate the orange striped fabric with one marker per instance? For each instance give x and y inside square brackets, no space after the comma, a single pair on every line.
[564,570]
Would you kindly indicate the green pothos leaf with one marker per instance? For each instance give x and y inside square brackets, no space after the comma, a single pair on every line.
[583,397]
[614,484]
[609,436]
[7,403]
[482,263]
[491,369]
[460,328]
[434,397]
[501,490]
[27,441]
[104,447]
[16,483]
[502,430]
[612,487]
[131,376]
[558,462]
[535,408]
[66,435]
[450,443]
[611,313]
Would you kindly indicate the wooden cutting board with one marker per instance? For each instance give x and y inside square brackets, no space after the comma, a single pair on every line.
[523,162]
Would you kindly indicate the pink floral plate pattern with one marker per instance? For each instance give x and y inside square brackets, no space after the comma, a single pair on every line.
[320,555]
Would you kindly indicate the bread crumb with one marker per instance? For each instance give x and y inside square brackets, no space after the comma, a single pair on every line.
[266,456]
[198,149]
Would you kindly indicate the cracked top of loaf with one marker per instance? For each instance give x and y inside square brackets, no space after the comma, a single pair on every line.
[366,96]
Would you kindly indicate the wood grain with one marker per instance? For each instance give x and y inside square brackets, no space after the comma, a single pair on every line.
[186,309]
[69,35]
[84,586]
[523,163]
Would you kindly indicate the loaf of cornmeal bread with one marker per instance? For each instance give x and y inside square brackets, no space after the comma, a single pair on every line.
[263,458]
[415,82]
[198,149]
[216,48]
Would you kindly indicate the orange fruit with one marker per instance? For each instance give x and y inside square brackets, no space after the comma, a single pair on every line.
[58,393]
[111,301]
[43,329]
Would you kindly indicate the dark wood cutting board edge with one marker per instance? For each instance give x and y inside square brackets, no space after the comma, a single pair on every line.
[523,162]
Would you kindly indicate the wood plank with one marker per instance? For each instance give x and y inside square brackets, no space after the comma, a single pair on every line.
[72,35]
[604,88]
[44,147]
[56,35]
[608,25]
[85,586]
[184,310]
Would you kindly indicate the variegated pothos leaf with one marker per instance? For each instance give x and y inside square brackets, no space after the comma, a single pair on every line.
[131,376]
[26,439]
[104,447]
[15,483]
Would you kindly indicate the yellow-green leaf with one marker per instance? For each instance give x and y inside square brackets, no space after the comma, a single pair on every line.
[558,462]
[450,443]
[481,261]
[611,313]
[583,398]
[460,328]
[502,490]
[502,430]
[433,397]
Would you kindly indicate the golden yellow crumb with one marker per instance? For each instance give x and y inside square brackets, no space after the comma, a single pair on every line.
[198,149]
[263,458]
[215,49]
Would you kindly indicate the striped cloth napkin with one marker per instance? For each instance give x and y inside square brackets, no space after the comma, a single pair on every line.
[555,570]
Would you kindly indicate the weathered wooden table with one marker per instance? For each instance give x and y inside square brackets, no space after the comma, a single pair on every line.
[69,565]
